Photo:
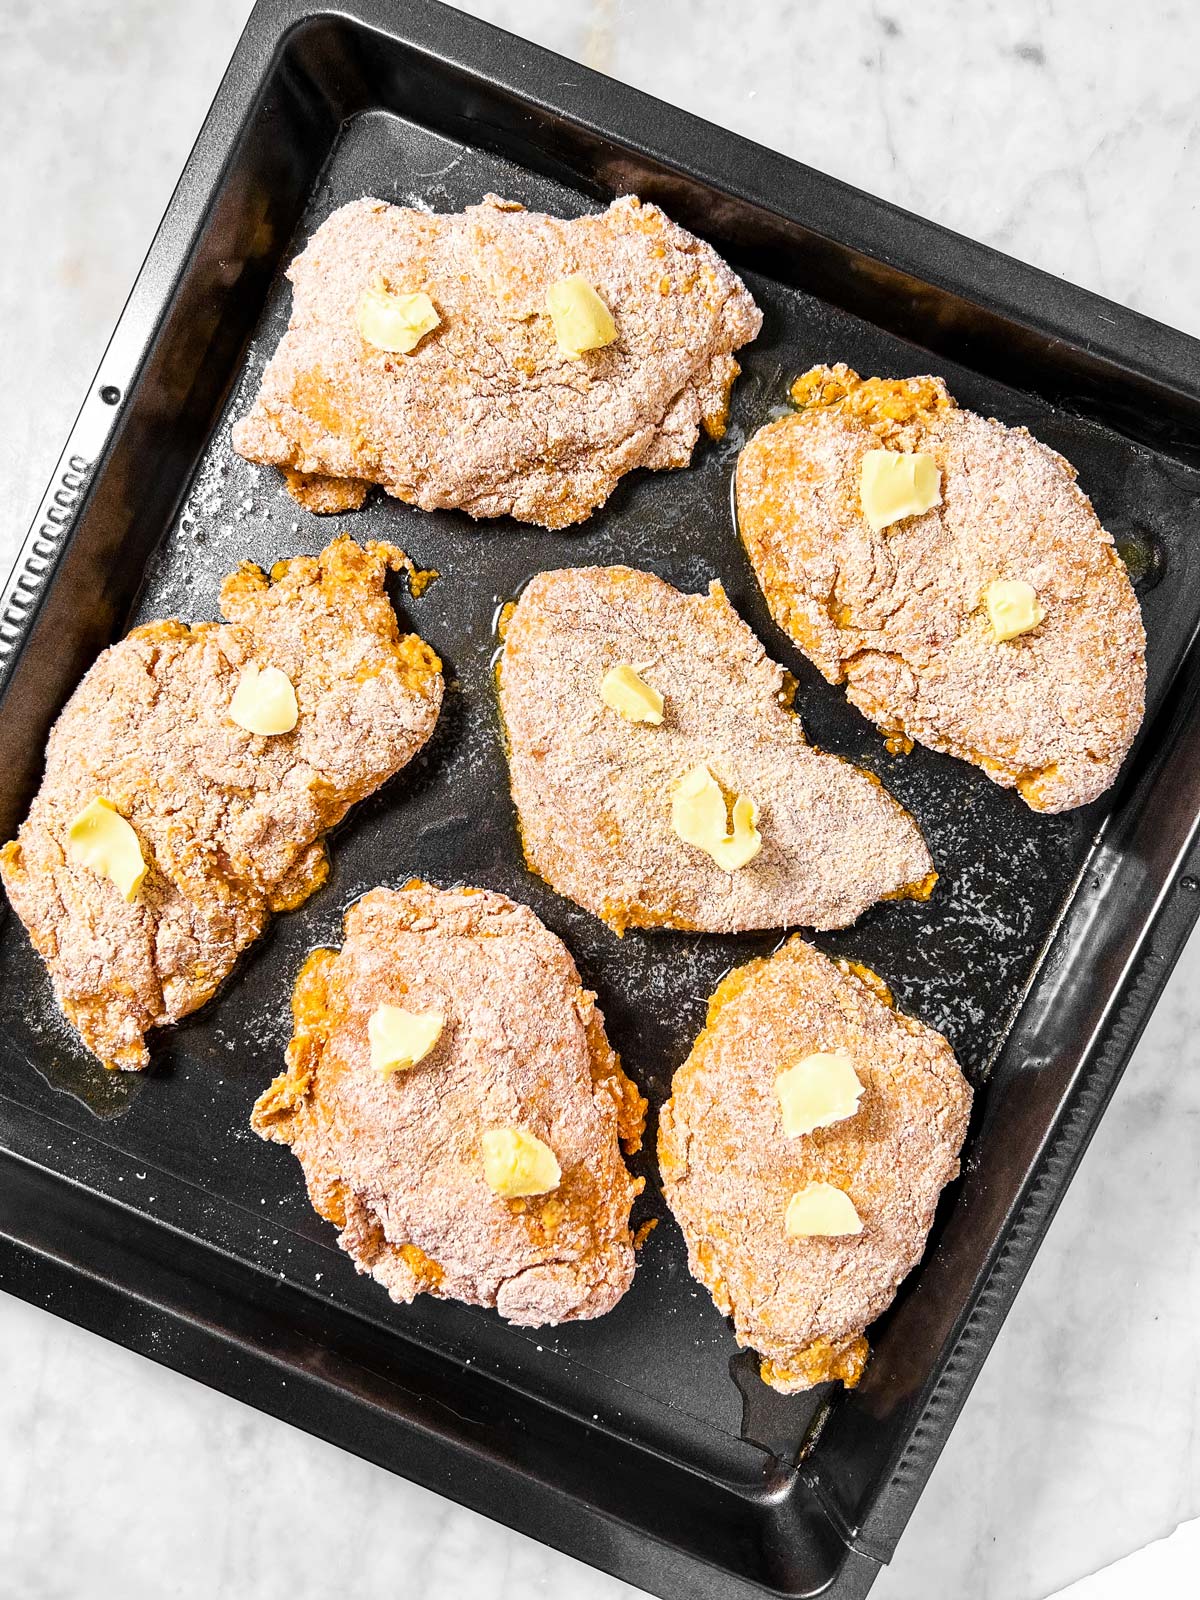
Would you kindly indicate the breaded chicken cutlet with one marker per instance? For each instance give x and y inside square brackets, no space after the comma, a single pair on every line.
[804,1146]
[601,794]
[457,1110]
[422,355]
[998,624]
[165,832]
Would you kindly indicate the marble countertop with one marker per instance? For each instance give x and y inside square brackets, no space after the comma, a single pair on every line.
[1067,134]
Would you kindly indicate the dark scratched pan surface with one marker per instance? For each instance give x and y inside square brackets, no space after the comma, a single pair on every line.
[958,962]
[663,1367]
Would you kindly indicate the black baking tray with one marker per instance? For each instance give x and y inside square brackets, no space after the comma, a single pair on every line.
[142,1206]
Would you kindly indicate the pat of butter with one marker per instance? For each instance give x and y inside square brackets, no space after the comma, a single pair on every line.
[897,484]
[820,1211]
[399,1038]
[100,838]
[516,1162]
[624,692]
[1012,607]
[394,322]
[264,701]
[817,1092]
[698,816]
[581,319]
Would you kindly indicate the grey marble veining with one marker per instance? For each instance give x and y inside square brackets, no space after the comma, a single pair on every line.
[1067,133]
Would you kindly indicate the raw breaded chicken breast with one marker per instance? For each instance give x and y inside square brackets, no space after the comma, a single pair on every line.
[599,794]
[457,1110]
[490,409]
[804,1146]
[227,825]
[998,625]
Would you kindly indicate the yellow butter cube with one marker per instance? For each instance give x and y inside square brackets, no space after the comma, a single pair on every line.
[818,1091]
[102,840]
[897,484]
[1013,607]
[400,1038]
[699,817]
[581,319]
[264,701]
[628,694]
[516,1163]
[821,1211]
[394,322]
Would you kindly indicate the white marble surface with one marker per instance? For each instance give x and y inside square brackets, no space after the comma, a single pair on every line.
[1067,133]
